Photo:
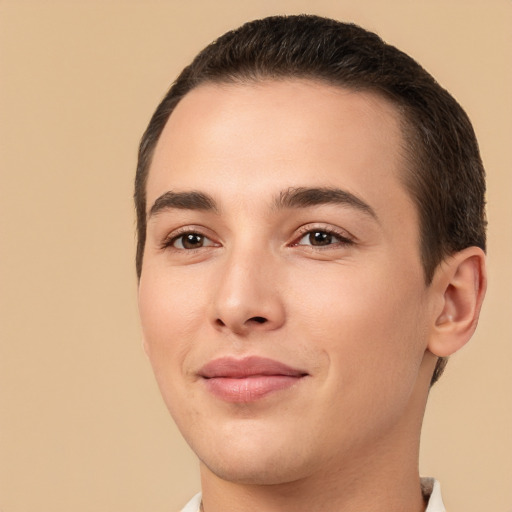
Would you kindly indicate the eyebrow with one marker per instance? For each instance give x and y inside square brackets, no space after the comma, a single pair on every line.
[184,201]
[293,197]
[303,197]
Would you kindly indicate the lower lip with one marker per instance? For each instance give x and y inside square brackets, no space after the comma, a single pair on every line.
[248,389]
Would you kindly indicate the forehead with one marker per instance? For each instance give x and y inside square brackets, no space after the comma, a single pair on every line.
[249,139]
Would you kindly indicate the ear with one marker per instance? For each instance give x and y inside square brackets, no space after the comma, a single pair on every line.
[459,286]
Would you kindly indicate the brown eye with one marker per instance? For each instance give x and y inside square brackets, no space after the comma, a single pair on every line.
[323,238]
[320,238]
[191,241]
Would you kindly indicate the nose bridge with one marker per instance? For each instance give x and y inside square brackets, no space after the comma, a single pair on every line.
[247,295]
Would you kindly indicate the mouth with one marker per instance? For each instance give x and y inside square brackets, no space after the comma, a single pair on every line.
[249,379]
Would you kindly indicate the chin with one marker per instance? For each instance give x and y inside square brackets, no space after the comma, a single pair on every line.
[255,460]
[270,470]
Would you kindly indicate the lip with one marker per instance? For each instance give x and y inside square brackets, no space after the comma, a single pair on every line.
[248,379]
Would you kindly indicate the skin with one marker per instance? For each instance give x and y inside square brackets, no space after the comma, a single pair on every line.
[352,312]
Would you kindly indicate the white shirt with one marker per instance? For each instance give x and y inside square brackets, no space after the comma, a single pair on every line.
[429,486]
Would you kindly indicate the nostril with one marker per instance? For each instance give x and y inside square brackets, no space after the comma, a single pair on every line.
[235,326]
[258,319]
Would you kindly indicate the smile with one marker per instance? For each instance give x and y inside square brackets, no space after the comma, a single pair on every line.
[249,379]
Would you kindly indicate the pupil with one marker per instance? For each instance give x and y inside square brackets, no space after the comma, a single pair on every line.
[192,241]
[320,238]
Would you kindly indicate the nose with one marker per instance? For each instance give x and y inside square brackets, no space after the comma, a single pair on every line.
[247,296]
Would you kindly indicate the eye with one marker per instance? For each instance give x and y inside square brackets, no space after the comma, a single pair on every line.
[317,238]
[190,241]
[322,238]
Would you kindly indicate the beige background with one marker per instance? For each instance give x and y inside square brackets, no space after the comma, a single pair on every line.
[82,427]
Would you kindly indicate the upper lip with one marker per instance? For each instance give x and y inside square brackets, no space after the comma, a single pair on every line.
[231,367]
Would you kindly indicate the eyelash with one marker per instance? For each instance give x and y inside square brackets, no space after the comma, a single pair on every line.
[342,238]
[169,241]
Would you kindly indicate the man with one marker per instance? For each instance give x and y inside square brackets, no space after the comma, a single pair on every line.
[311,237]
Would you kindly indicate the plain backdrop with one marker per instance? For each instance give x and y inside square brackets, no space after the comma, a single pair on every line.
[82,425]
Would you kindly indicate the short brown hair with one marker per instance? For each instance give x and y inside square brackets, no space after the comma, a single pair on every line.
[445,175]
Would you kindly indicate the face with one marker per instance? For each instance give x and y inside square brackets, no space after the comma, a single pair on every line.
[282,297]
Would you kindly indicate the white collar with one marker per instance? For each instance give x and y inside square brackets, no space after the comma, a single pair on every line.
[193,505]
[431,487]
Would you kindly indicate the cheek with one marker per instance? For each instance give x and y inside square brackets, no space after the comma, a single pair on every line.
[169,314]
[371,324]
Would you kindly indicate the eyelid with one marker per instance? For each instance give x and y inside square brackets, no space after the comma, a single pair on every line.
[345,238]
[170,239]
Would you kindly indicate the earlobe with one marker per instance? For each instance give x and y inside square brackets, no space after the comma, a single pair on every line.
[459,283]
